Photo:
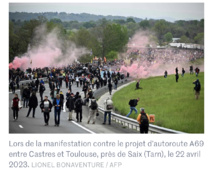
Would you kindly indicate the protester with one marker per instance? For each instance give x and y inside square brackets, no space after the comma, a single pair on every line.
[143,120]
[12,86]
[46,107]
[41,90]
[85,88]
[21,91]
[15,105]
[52,87]
[115,83]
[53,94]
[70,105]
[108,107]
[197,88]
[62,99]
[93,110]
[197,70]
[37,83]
[110,87]
[138,85]
[176,70]
[26,96]
[165,74]
[97,83]
[17,81]
[77,80]
[42,81]
[176,77]
[58,87]
[191,69]
[70,85]
[68,94]
[89,95]
[93,82]
[33,103]
[66,80]
[57,103]
[78,108]
[76,96]
[133,103]
[183,72]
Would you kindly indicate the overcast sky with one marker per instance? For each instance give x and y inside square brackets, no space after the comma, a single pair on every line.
[172,11]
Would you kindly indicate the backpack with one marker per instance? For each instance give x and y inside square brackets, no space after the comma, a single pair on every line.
[78,104]
[25,94]
[93,105]
[109,104]
[144,119]
[197,87]
[133,103]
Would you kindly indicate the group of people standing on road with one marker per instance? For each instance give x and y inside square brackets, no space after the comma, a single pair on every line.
[73,103]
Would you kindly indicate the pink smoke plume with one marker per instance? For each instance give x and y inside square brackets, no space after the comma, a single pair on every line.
[145,69]
[151,61]
[48,52]
[140,40]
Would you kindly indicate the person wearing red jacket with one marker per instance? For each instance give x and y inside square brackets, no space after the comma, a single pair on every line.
[15,105]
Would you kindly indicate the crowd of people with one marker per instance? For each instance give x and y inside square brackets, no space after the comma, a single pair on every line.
[86,82]
[166,56]
[87,78]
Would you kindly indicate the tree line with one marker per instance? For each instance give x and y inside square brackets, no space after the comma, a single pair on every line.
[103,37]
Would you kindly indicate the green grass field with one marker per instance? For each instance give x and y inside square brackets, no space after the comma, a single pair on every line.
[173,104]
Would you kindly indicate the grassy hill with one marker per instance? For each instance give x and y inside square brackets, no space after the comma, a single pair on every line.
[173,104]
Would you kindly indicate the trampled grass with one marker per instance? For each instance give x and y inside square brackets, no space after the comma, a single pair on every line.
[173,104]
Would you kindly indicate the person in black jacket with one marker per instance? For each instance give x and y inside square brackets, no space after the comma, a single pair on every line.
[197,88]
[89,95]
[78,108]
[68,94]
[62,99]
[37,83]
[138,85]
[76,96]
[33,103]
[46,107]
[26,96]
[12,86]
[110,87]
[176,70]
[183,72]
[70,105]
[57,103]
[85,87]
[165,74]
[133,103]
[115,83]
[176,77]
[41,91]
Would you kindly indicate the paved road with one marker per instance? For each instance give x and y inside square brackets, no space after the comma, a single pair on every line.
[36,125]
